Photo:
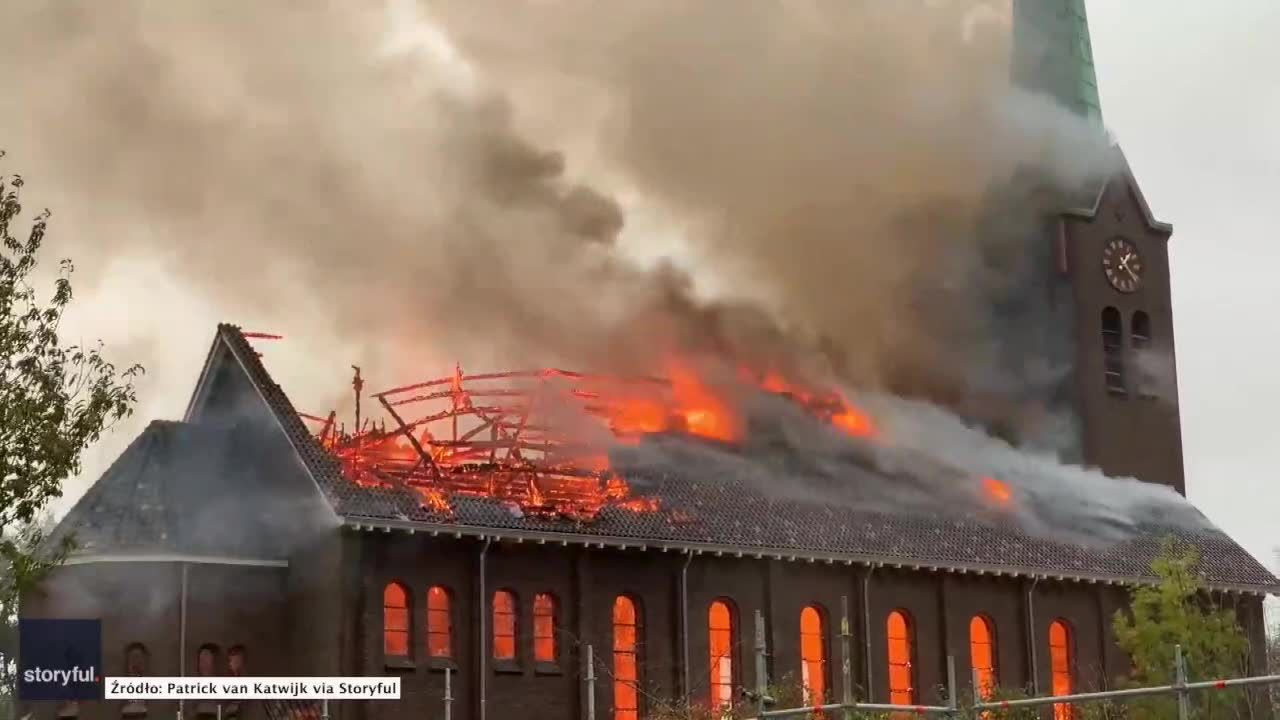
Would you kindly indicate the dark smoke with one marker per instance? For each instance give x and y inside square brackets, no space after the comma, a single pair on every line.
[459,180]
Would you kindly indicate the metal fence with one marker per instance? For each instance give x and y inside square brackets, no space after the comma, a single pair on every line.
[319,710]
[293,710]
[1181,688]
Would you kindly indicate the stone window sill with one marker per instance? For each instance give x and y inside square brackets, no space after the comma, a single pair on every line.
[507,667]
[400,663]
[440,664]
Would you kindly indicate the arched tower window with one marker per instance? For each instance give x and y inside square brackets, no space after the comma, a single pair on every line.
[544,628]
[1113,351]
[626,659]
[982,655]
[902,689]
[1141,330]
[1061,665]
[813,654]
[395,620]
[504,625]
[721,632]
[1140,337]
[439,622]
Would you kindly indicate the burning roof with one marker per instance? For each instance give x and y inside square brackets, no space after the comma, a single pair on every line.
[668,490]
[540,441]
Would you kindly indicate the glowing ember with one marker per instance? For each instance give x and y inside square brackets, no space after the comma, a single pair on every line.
[704,413]
[634,417]
[853,421]
[997,490]
[834,407]
[539,441]
[518,438]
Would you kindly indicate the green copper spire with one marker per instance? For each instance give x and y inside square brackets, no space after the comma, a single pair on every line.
[1052,54]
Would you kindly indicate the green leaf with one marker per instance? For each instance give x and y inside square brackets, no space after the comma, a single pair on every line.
[54,402]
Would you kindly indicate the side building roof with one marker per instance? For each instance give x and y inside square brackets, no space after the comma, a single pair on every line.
[175,492]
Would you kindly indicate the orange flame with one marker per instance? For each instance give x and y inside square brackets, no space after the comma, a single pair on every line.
[997,490]
[839,411]
[634,416]
[493,441]
[704,413]
[853,421]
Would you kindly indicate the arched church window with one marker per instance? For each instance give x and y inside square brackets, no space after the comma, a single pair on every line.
[626,659]
[504,625]
[544,628]
[207,660]
[902,689]
[982,655]
[395,621]
[813,655]
[136,662]
[235,668]
[439,622]
[207,666]
[1113,351]
[721,633]
[1062,666]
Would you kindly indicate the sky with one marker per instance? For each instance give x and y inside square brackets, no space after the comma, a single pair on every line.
[1185,88]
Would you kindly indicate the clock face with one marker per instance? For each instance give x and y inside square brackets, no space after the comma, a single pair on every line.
[1123,265]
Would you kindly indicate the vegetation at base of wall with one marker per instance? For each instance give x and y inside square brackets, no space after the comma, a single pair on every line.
[1176,612]
[54,402]
[785,693]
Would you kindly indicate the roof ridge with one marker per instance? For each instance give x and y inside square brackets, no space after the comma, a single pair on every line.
[314,459]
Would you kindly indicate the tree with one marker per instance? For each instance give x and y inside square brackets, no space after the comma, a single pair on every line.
[1273,662]
[54,402]
[1176,612]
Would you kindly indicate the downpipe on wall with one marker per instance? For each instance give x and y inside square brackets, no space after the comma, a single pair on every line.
[482,656]
[866,627]
[684,624]
[1031,637]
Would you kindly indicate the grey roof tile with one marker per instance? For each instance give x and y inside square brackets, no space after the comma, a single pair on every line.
[175,489]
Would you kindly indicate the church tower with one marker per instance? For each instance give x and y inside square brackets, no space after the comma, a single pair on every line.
[1113,255]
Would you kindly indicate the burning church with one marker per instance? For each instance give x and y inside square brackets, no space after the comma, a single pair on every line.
[488,533]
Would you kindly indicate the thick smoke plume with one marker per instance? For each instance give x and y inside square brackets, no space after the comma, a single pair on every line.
[822,186]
